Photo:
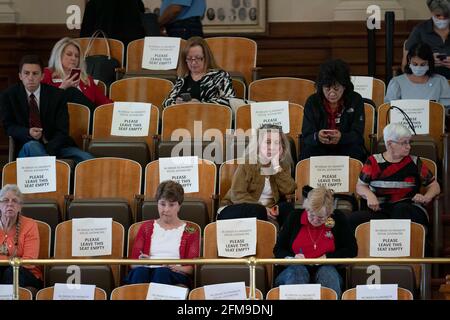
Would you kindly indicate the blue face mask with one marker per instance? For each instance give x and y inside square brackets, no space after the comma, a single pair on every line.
[419,70]
[440,24]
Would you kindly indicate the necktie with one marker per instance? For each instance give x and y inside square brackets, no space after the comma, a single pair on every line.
[34,118]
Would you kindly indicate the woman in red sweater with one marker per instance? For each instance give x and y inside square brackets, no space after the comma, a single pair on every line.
[166,238]
[64,58]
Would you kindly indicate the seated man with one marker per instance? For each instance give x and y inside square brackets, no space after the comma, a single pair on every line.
[36,115]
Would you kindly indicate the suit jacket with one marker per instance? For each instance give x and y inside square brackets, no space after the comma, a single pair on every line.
[53,112]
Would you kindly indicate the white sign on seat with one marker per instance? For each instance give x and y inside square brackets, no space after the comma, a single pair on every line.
[390,238]
[91,237]
[377,292]
[300,292]
[226,291]
[236,238]
[183,170]
[159,291]
[36,174]
[417,110]
[363,85]
[131,119]
[6,292]
[65,291]
[160,53]
[330,171]
[273,112]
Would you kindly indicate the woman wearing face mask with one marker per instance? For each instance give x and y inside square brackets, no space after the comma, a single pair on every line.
[434,32]
[419,80]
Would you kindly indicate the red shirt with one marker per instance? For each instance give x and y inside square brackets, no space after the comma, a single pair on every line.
[189,245]
[309,235]
[333,116]
[91,90]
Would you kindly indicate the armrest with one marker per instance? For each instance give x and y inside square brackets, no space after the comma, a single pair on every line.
[120,72]
[138,200]
[86,139]
[255,73]
[11,149]
[68,198]
[156,140]
[373,143]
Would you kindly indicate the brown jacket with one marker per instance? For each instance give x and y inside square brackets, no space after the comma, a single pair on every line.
[248,184]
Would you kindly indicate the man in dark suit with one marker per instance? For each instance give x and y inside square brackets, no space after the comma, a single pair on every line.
[36,115]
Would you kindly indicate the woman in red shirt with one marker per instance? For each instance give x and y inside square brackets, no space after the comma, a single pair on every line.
[315,232]
[64,58]
[166,238]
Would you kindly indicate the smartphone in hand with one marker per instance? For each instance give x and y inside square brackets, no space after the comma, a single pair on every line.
[75,71]
[186,96]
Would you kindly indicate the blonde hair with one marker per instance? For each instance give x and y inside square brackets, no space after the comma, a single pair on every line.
[55,63]
[319,198]
[252,150]
[210,62]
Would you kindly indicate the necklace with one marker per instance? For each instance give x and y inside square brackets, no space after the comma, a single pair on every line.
[317,239]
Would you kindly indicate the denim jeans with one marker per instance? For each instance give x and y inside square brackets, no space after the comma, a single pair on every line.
[159,275]
[326,275]
[26,277]
[37,149]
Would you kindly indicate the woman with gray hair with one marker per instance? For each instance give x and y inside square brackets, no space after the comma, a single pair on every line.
[19,237]
[66,70]
[391,181]
[317,231]
[434,32]
[263,180]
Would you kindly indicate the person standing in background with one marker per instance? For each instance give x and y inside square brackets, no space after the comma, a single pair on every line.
[119,19]
[182,18]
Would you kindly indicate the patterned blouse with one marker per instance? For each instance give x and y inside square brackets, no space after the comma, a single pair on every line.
[215,87]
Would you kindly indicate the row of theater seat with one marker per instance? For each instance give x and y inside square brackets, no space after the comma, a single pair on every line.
[110,276]
[139,292]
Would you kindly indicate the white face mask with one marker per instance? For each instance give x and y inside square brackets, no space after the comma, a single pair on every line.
[440,24]
[419,70]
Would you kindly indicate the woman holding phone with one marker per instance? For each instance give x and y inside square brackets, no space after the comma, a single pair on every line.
[199,77]
[67,71]
[333,122]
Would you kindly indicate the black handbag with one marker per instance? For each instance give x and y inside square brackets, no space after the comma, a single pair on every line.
[101,67]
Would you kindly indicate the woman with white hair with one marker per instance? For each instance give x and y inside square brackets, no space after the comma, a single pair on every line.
[66,70]
[391,181]
[317,231]
[19,237]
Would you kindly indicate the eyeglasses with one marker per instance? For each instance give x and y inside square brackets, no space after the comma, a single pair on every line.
[195,59]
[312,216]
[403,143]
[13,201]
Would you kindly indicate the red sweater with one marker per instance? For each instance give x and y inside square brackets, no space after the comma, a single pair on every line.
[189,245]
[91,91]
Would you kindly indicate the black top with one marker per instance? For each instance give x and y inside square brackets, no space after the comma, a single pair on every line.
[345,242]
[119,19]
[351,126]
[424,32]
[192,87]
